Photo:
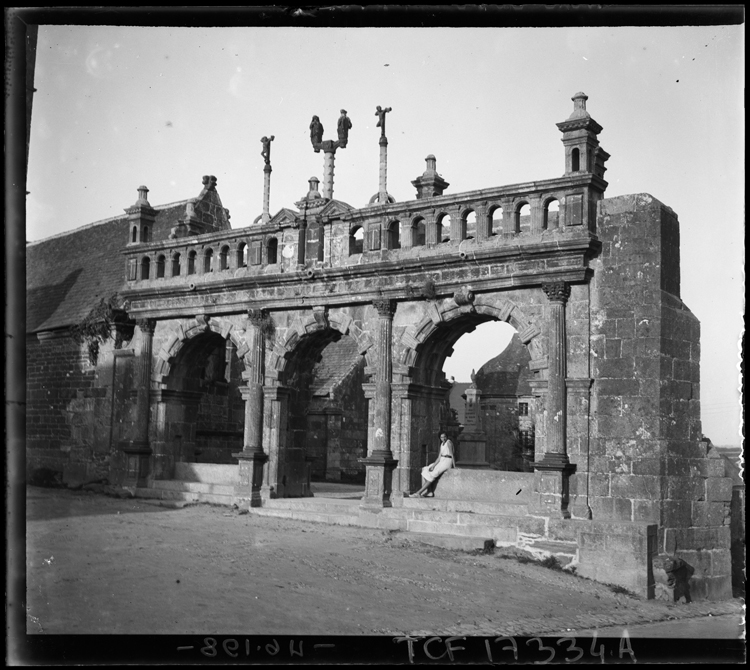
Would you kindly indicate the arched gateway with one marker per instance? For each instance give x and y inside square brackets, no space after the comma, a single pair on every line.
[590,285]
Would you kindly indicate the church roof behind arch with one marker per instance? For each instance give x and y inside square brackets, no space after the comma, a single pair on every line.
[67,274]
[508,373]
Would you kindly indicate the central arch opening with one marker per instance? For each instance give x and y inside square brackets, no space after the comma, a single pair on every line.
[486,405]
[327,415]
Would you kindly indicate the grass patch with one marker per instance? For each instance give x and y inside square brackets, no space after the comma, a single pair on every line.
[621,590]
[551,563]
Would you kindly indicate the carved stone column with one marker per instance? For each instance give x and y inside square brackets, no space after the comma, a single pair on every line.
[266,216]
[556,455]
[383,172]
[275,411]
[329,159]
[552,480]
[380,462]
[138,450]
[252,457]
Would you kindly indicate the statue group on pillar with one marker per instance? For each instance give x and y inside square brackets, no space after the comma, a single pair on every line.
[316,133]
[343,127]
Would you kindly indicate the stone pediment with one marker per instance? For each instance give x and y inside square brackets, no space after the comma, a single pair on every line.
[334,209]
[285,216]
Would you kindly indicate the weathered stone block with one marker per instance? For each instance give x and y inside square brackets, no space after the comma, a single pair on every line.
[635,486]
[709,513]
[599,486]
[676,513]
[685,488]
[623,509]
[617,387]
[646,510]
[719,489]
[649,466]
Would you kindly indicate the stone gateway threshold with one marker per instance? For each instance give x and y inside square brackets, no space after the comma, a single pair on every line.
[244,365]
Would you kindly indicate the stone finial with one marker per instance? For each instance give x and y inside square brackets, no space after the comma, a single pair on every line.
[430,184]
[313,192]
[579,106]
[142,199]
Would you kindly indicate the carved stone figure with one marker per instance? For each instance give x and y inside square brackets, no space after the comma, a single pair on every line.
[380,113]
[344,126]
[266,152]
[316,132]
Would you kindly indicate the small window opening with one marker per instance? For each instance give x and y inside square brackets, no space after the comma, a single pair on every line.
[394,235]
[357,241]
[272,250]
[575,160]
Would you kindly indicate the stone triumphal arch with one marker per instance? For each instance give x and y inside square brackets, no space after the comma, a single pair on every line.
[239,331]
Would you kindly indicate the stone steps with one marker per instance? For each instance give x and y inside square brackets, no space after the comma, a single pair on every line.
[194,483]
[500,508]
[336,511]
[193,487]
[210,473]
[176,494]
[501,535]
[455,542]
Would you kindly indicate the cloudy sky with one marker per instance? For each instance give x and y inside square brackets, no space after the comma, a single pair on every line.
[117,107]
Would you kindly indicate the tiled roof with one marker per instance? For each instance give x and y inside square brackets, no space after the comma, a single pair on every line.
[338,359]
[67,275]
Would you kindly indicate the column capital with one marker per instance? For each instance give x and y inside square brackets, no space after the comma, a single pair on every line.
[147,325]
[256,315]
[385,306]
[557,291]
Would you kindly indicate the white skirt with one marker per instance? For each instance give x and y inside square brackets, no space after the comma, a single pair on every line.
[443,465]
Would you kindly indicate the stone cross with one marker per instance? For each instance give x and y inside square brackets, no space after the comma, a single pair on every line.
[266,153]
[380,113]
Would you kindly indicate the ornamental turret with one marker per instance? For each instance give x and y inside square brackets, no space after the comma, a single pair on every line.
[582,150]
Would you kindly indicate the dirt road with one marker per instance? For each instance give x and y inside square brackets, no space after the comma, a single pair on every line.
[104,565]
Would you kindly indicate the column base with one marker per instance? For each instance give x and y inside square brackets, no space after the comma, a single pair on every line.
[248,491]
[552,462]
[378,481]
[552,485]
[137,462]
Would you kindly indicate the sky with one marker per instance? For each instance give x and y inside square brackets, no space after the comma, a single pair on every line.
[117,107]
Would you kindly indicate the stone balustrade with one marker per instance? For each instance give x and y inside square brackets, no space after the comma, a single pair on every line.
[464,225]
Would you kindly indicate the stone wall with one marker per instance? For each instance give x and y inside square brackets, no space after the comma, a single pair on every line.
[647,461]
[72,423]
